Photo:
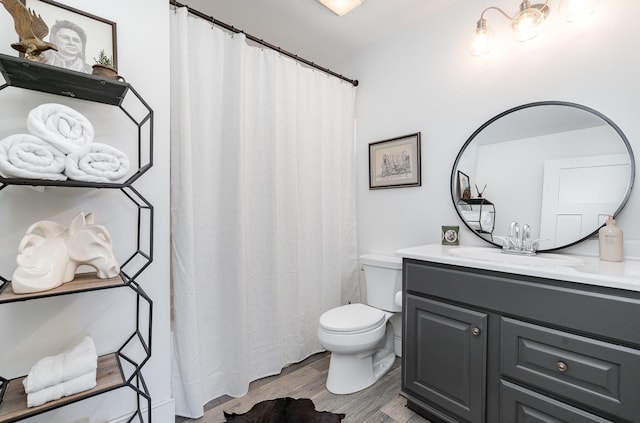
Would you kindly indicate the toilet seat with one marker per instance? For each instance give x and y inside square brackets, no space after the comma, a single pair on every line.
[352,319]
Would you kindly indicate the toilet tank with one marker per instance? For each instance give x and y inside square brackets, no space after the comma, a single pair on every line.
[383,278]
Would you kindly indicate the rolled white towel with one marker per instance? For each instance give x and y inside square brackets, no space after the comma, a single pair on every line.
[102,163]
[65,128]
[27,156]
[68,365]
[63,389]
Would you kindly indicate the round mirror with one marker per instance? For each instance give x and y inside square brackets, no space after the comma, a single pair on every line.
[559,167]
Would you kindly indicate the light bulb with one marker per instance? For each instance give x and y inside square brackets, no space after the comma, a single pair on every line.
[526,22]
[577,10]
[482,39]
[481,42]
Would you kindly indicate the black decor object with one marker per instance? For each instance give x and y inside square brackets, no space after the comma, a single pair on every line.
[284,410]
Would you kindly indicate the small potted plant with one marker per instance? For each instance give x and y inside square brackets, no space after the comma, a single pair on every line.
[104,67]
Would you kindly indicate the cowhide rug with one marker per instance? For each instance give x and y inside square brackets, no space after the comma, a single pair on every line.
[284,410]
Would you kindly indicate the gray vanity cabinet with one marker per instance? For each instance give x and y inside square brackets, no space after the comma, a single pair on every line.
[491,347]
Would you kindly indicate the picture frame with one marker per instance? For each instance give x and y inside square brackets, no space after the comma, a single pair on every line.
[464,186]
[85,36]
[395,163]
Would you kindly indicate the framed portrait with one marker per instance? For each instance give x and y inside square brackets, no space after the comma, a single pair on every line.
[81,38]
[395,162]
[464,187]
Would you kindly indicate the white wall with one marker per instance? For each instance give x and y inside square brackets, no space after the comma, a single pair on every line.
[33,329]
[423,79]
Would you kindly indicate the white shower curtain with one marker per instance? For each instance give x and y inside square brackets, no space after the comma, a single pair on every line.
[263,209]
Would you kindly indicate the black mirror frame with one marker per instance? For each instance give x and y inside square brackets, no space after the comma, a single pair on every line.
[535,104]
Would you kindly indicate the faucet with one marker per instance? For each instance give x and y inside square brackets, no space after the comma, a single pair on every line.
[525,237]
[519,240]
[514,234]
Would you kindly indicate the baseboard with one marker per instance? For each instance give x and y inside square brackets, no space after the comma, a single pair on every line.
[164,412]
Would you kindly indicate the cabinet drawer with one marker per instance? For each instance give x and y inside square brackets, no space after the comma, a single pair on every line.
[598,374]
[519,405]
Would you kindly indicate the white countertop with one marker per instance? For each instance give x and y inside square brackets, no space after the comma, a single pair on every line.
[584,269]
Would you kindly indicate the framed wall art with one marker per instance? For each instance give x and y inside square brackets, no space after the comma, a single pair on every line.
[464,186]
[395,162]
[79,36]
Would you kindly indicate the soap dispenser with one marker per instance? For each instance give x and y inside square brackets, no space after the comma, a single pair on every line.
[611,240]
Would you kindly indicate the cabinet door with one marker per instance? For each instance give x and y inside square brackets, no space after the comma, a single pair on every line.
[444,357]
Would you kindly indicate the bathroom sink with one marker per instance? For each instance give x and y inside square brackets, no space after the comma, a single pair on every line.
[495,255]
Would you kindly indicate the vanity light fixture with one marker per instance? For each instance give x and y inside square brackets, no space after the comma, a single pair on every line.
[340,7]
[526,22]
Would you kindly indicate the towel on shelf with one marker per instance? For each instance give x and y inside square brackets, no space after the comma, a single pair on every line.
[70,364]
[480,221]
[65,128]
[101,163]
[62,389]
[27,156]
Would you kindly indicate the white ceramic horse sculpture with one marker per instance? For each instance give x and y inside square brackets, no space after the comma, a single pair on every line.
[49,254]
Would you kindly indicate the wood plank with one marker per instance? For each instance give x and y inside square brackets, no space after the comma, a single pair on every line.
[82,282]
[398,411]
[14,407]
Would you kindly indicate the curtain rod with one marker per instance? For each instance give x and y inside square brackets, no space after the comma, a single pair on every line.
[231,28]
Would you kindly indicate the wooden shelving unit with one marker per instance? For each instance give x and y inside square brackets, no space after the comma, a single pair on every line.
[117,369]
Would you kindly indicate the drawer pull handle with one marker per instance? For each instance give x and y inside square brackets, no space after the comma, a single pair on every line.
[475,331]
[562,366]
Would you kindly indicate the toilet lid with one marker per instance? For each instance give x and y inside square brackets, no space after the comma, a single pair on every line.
[352,318]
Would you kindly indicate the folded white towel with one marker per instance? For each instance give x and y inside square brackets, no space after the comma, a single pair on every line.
[70,364]
[102,163]
[65,128]
[27,156]
[63,389]
[479,220]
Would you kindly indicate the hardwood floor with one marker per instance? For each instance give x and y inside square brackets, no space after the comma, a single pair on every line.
[379,403]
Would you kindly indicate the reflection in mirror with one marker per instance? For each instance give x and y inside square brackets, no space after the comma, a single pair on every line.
[559,167]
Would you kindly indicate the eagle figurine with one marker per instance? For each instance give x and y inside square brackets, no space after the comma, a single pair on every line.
[30,28]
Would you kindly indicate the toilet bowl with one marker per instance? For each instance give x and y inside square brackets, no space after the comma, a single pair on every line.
[364,339]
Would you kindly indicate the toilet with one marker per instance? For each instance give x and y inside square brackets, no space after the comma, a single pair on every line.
[364,339]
